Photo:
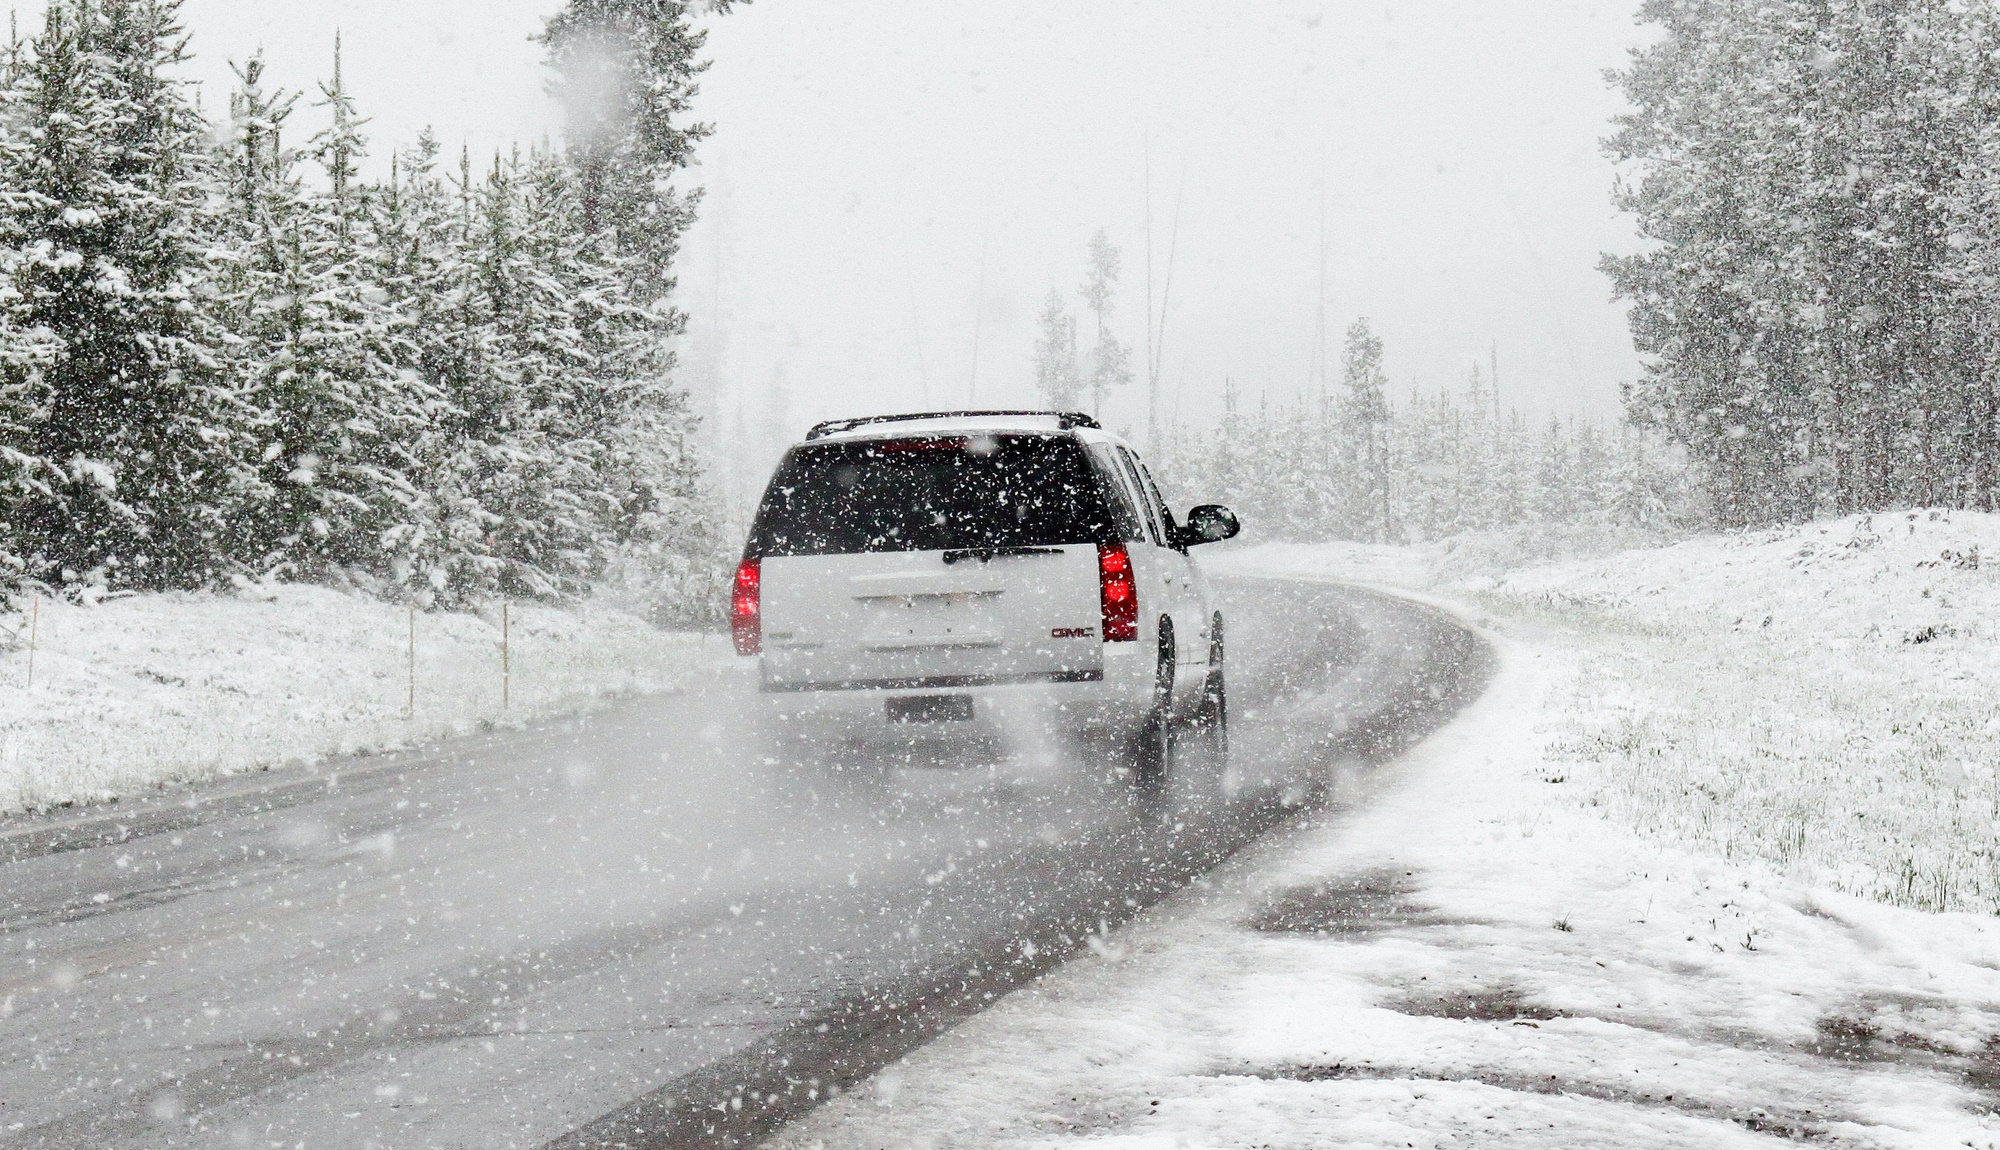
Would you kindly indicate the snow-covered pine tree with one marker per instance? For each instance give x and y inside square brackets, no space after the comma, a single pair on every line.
[443,551]
[1321,466]
[662,529]
[597,464]
[529,418]
[1805,171]
[1555,473]
[302,358]
[1972,208]
[109,179]
[1516,451]
[1420,472]
[1294,496]
[1463,432]
[1224,461]
[1110,361]
[1480,505]
[257,290]
[625,74]
[1421,475]
[1364,422]
[373,416]
[1689,315]
[1592,495]
[25,353]
[26,479]
[1056,377]
[1649,484]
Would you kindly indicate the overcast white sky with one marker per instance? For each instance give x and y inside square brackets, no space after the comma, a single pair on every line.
[867,152]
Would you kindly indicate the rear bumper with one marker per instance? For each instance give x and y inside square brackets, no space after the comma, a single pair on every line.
[936,683]
[1112,699]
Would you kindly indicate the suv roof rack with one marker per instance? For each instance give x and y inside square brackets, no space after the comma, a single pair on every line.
[1066,420]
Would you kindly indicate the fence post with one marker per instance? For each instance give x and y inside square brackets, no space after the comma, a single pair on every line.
[411,706]
[34,624]
[506,668]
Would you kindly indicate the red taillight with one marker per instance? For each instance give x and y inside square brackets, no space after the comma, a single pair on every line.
[1119,592]
[746,618]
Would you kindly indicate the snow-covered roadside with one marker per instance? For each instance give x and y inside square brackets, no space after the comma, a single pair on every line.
[1483,952]
[132,692]
[1821,698]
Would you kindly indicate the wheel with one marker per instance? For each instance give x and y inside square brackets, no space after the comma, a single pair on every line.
[1152,743]
[1215,694]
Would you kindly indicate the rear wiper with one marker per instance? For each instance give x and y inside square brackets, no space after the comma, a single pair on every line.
[988,554]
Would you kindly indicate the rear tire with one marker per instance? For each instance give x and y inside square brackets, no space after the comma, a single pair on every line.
[1152,743]
[1215,694]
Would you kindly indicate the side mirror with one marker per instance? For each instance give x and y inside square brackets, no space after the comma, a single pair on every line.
[1209,523]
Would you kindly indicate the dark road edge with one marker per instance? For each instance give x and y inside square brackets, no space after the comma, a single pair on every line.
[744,1098]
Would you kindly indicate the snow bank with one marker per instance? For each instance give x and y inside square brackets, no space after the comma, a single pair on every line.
[1473,560]
[1465,954]
[1818,698]
[135,691]
[1864,581]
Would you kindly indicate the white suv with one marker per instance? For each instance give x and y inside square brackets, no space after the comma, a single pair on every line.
[994,571]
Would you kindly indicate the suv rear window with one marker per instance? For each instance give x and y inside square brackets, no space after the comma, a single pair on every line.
[932,494]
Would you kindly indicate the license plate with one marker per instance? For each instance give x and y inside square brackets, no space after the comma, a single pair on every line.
[931,709]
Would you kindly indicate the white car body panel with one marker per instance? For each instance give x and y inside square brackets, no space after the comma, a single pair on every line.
[911,618]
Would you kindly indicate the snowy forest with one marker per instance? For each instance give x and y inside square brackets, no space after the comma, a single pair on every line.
[1354,464]
[225,354]
[1818,184]
[1816,187]
[1345,460]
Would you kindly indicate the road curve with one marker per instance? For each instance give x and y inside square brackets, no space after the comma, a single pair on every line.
[635,930]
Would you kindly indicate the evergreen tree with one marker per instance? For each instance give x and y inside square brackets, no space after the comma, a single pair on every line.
[1554,472]
[25,353]
[26,479]
[1056,377]
[1364,417]
[363,420]
[625,74]
[263,296]
[1973,212]
[1110,360]
[600,429]
[451,387]
[1481,506]
[141,433]
[1807,174]
[420,263]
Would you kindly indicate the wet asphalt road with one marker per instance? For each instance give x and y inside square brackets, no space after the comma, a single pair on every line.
[635,930]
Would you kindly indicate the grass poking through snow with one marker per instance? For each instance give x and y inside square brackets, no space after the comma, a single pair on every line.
[1822,699]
